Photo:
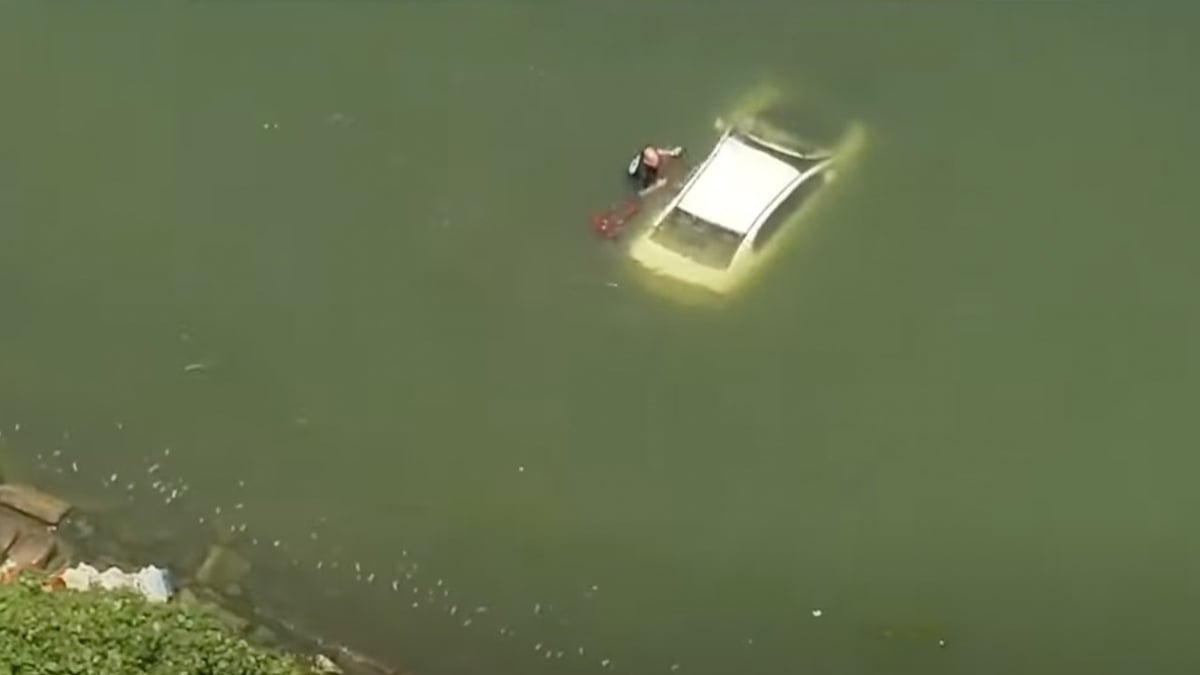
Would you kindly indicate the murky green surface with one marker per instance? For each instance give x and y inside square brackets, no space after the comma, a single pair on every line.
[959,408]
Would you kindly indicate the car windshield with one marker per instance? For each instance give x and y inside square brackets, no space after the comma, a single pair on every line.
[697,239]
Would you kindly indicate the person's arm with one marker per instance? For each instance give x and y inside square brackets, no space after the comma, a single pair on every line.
[657,184]
[674,152]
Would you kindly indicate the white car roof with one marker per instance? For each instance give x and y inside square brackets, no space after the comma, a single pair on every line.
[736,184]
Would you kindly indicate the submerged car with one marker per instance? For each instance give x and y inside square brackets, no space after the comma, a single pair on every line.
[731,210]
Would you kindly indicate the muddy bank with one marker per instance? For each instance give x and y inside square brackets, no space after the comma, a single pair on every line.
[42,532]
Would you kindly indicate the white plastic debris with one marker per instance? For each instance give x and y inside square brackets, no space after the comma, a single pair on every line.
[79,577]
[153,583]
[324,664]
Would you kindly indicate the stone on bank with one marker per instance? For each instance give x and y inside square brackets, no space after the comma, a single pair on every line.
[35,503]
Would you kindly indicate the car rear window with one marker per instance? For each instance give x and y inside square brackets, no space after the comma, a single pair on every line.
[697,239]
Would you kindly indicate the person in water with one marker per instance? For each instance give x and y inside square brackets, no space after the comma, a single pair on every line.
[644,168]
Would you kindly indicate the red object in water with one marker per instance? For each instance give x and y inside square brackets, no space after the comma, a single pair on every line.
[608,223]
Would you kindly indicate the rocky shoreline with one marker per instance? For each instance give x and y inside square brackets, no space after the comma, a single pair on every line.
[42,532]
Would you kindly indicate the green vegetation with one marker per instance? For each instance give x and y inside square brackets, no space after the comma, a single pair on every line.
[65,632]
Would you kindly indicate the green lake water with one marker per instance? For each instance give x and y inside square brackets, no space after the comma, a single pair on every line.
[328,266]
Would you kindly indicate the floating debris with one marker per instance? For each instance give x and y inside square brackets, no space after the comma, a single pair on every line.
[195,367]
[395,585]
[817,613]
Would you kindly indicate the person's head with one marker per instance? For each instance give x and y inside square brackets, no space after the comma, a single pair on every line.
[650,156]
